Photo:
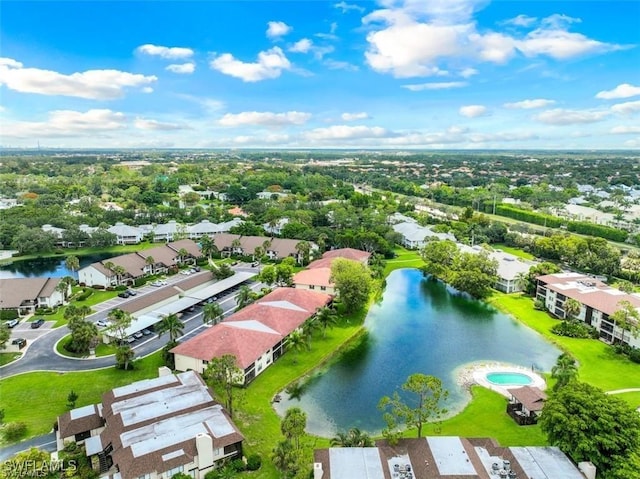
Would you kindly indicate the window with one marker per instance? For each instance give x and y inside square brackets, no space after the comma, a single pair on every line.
[311,286]
[145,476]
[323,288]
[174,471]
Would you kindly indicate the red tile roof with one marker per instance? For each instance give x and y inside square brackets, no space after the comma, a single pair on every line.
[310,301]
[247,345]
[315,276]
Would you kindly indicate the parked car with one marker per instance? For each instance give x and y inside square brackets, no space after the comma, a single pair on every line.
[137,334]
[37,323]
[156,284]
[163,282]
[146,332]
[130,339]
[123,294]
[255,264]
[186,272]
[196,269]
[132,292]
[20,342]
[102,323]
[12,323]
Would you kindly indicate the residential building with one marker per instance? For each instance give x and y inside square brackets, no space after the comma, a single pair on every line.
[27,294]
[415,236]
[276,227]
[169,231]
[255,335]
[317,276]
[126,234]
[274,248]
[510,267]
[153,429]
[136,265]
[525,404]
[445,457]
[598,302]
[206,228]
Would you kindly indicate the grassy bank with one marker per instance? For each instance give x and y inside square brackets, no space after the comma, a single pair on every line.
[599,364]
[62,253]
[38,398]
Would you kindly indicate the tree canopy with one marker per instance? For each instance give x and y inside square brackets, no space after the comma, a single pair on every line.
[353,282]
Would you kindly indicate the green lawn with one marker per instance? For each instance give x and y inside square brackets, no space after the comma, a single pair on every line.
[405,259]
[38,398]
[6,358]
[633,398]
[117,249]
[102,349]
[599,364]
[98,296]
[514,251]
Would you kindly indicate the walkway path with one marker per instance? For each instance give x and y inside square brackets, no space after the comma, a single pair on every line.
[622,391]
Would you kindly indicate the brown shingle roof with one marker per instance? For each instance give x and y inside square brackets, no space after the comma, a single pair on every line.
[15,291]
[149,299]
[160,254]
[530,397]
[132,263]
[190,245]
[70,427]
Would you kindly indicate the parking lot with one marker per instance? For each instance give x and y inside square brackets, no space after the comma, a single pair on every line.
[24,330]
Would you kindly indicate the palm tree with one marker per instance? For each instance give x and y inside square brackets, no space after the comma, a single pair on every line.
[354,438]
[212,314]
[149,261]
[571,308]
[108,265]
[522,281]
[297,341]
[207,246]
[303,248]
[119,272]
[243,297]
[63,286]
[564,371]
[236,244]
[326,317]
[258,253]
[182,254]
[171,324]
[308,327]
[72,263]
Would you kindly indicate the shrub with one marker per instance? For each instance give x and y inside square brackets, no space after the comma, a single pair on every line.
[237,465]
[254,461]
[14,431]
[84,295]
[98,286]
[572,329]
[634,355]
[8,314]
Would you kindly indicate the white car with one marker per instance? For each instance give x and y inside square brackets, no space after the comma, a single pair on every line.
[102,323]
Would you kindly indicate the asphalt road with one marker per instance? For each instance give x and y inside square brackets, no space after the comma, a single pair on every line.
[46,442]
[40,354]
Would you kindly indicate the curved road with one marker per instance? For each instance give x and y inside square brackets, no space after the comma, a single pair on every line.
[40,355]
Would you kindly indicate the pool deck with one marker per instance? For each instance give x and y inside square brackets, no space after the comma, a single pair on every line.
[476,373]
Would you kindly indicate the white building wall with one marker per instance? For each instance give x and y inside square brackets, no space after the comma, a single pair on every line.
[185,363]
[92,277]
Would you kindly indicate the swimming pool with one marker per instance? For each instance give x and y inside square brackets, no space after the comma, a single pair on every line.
[509,379]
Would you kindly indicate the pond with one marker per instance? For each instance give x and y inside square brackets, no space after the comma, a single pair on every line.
[47,267]
[422,326]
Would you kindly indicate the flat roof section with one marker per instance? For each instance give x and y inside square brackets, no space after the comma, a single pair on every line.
[83,411]
[220,286]
[144,385]
[219,425]
[450,456]
[355,463]
[549,461]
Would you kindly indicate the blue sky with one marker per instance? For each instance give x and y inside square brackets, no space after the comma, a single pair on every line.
[398,74]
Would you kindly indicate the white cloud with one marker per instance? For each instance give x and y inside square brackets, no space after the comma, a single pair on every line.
[346,132]
[625,130]
[435,85]
[354,116]
[346,7]
[301,46]
[419,37]
[265,118]
[340,65]
[561,44]
[168,53]
[626,108]
[142,124]
[473,111]
[277,29]
[91,84]
[468,72]
[530,104]
[147,89]
[182,68]
[269,65]
[624,90]
[520,21]
[560,116]
[67,123]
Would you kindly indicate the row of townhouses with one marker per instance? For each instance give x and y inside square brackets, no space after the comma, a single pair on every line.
[126,268]
[598,302]
[26,294]
[126,234]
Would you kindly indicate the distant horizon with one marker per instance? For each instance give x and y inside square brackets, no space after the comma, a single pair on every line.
[337,74]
